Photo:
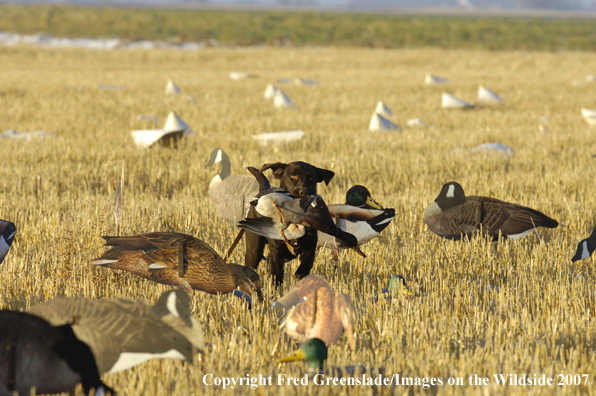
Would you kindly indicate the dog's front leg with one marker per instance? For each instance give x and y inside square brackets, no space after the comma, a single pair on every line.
[308,251]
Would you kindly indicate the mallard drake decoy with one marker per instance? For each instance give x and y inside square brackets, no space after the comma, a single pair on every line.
[34,353]
[7,232]
[123,332]
[227,192]
[453,214]
[586,247]
[156,256]
[285,216]
[314,352]
[311,310]
[360,216]
[397,286]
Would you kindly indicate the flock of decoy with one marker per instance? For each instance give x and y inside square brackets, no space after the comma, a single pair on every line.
[63,342]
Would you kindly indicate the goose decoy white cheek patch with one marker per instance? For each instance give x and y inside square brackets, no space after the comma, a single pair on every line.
[451,191]
[171,304]
[218,158]
[585,251]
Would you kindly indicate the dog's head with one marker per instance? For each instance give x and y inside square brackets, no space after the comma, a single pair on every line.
[299,178]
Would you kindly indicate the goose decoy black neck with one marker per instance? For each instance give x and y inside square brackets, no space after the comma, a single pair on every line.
[7,232]
[586,247]
[218,156]
[452,194]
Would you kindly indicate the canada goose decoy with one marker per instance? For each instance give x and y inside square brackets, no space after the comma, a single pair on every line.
[178,260]
[7,232]
[227,192]
[360,216]
[285,216]
[123,333]
[586,247]
[34,353]
[314,352]
[311,310]
[453,214]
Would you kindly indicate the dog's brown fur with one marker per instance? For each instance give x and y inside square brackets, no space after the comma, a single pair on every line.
[299,179]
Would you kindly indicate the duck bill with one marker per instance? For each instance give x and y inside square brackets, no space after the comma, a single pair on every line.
[297,355]
[358,251]
[372,203]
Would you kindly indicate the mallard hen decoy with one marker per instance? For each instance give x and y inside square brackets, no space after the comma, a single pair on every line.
[586,247]
[360,216]
[7,232]
[453,214]
[227,192]
[285,216]
[156,256]
[123,332]
[34,353]
[314,352]
[311,310]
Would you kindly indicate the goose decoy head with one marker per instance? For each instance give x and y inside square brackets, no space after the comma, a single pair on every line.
[217,156]
[452,194]
[248,281]
[359,196]
[313,351]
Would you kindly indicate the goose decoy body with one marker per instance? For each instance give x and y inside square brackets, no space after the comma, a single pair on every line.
[156,256]
[123,333]
[311,310]
[586,247]
[453,214]
[33,353]
[360,216]
[7,232]
[228,192]
[284,216]
[314,352]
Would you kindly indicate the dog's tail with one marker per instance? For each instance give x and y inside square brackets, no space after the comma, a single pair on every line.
[261,179]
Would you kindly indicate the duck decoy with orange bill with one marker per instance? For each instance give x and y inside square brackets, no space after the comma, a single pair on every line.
[311,310]
[453,214]
[178,260]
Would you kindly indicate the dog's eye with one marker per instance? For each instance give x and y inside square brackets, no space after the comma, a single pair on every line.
[294,176]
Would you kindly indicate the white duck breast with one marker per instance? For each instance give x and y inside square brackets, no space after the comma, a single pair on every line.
[364,224]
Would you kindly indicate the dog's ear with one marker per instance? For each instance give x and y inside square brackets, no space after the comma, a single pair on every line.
[324,175]
[278,169]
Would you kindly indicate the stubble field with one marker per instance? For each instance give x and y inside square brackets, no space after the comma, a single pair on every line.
[478,308]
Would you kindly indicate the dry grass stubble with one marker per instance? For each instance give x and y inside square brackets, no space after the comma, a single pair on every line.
[480,308]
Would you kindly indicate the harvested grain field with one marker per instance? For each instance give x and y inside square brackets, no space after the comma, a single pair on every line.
[516,307]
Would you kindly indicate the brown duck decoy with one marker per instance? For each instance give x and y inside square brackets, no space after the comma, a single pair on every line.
[453,214]
[313,311]
[123,332]
[178,260]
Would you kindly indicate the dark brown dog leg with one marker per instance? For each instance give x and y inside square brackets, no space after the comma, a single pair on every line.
[308,252]
[278,254]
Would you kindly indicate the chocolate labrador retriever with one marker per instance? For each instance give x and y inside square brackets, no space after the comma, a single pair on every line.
[299,179]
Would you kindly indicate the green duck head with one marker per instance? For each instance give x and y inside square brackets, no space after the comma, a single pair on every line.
[313,351]
[359,196]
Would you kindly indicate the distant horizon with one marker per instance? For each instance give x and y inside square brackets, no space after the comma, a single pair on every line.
[522,8]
